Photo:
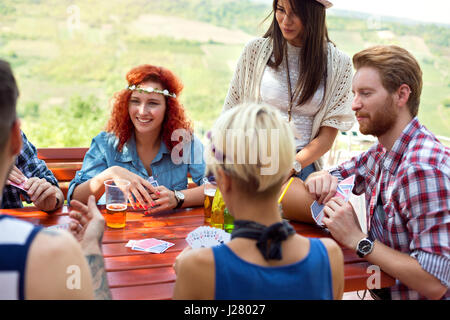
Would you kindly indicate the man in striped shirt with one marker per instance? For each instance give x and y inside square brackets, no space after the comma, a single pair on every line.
[405,178]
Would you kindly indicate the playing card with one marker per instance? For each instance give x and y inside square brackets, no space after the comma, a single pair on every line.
[160,248]
[207,237]
[150,245]
[147,243]
[348,181]
[153,182]
[21,186]
[317,212]
[341,194]
[130,243]
[343,191]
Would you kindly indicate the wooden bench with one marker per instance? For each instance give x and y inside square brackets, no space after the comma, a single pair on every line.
[65,162]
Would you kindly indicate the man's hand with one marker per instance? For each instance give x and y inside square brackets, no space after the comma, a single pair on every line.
[88,225]
[16,176]
[42,193]
[340,218]
[322,186]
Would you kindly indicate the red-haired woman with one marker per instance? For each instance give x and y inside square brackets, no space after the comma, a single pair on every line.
[148,135]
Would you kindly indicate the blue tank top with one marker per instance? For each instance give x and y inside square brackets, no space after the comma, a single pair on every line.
[307,279]
[16,237]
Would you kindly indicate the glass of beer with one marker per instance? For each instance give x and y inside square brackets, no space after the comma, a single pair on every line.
[209,192]
[116,202]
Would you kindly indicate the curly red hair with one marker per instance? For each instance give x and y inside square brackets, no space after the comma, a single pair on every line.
[175,118]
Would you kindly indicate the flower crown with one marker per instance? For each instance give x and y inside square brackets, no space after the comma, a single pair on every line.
[164,92]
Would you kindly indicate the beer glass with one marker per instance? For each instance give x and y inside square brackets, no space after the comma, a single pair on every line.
[209,192]
[116,202]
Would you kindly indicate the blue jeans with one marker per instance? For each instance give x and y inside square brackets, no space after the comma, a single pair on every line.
[306,172]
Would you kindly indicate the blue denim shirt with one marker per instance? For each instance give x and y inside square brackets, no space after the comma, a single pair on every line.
[103,154]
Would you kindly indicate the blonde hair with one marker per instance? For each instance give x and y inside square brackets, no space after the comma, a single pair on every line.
[242,141]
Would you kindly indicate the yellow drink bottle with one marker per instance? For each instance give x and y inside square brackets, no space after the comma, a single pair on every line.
[217,209]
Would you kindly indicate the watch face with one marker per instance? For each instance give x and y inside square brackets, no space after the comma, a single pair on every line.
[365,246]
[179,195]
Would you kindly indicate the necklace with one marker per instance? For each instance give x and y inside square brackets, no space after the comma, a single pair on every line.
[288,76]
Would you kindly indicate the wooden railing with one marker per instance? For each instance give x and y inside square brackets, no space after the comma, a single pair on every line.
[65,162]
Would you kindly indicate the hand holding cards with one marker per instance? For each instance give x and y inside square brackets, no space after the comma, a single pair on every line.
[20,186]
[207,237]
[343,191]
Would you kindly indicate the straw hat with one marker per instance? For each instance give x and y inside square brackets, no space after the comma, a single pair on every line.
[325,3]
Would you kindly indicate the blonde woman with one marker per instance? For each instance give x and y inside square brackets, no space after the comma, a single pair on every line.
[297,69]
[249,152]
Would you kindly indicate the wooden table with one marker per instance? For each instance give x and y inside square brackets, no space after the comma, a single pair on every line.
[137,275]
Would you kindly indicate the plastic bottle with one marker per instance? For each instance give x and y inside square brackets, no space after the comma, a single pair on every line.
[228,221]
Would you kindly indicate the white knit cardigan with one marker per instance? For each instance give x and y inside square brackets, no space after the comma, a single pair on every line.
[336,110]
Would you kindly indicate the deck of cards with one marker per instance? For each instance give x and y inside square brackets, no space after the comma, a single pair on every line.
[150,245]
[207,237]
[343,191]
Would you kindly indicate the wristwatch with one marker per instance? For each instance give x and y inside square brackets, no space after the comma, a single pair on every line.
[179,196]
[297,166]
[364,247]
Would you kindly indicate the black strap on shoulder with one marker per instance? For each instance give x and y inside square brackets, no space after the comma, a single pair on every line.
[268,238]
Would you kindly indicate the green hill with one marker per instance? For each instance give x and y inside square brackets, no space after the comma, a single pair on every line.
[70,57]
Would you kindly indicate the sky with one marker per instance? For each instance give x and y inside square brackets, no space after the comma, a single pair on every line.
[437,11]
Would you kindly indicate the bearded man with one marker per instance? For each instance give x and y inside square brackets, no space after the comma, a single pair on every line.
[405,178]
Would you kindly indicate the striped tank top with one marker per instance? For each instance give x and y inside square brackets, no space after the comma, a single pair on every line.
[16,237]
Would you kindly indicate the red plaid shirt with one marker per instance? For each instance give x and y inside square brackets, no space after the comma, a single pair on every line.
[413,183]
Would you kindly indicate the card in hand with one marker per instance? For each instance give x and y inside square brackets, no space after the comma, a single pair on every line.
[153,182]
[21,186]
[207,237]
[343,191]
[317,212]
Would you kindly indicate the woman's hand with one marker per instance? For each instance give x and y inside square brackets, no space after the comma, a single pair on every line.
[141,189]
[164,200]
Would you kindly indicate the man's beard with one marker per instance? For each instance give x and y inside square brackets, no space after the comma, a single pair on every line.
[381,121]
